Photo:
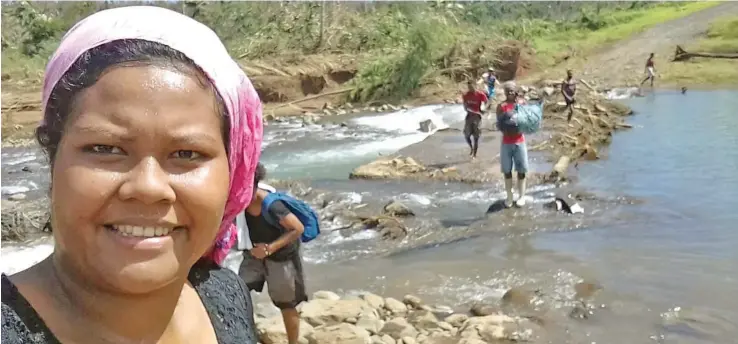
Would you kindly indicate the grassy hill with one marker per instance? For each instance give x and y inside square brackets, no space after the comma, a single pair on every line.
[382,51]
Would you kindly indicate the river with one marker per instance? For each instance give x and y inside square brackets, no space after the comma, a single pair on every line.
[668,265]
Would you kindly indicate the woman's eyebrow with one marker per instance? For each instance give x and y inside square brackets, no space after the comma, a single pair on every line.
[101,130]
[195,138]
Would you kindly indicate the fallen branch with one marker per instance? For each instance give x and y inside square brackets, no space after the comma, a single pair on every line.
[683,55]
[585,83]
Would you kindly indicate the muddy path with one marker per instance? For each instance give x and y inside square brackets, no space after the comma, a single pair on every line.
[622,63]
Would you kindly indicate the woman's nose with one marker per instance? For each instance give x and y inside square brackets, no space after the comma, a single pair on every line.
[148,182]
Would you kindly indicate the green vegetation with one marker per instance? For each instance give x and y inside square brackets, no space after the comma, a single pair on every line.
[407,43]
[722,37]
[600,30]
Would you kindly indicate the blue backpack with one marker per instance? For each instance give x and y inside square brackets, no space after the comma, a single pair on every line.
[302,210]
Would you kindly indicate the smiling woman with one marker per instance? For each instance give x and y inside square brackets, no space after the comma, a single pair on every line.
[153,133]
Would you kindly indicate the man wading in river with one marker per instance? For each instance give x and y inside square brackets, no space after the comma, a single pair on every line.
[568,89]
[513,152]
[475,102]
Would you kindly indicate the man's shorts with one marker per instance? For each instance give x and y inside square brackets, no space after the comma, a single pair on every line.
[471,125]
[514,155]
[285,280]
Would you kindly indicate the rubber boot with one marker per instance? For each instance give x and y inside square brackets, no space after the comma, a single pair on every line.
[509,191]
[521,191]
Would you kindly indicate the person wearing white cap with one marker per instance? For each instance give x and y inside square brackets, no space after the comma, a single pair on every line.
[513,152]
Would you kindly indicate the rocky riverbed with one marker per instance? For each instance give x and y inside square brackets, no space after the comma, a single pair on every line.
[367,318]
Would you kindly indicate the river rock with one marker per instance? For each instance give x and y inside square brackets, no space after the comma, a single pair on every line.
[496,206]
[440,311]
[375,301]
[412,300]
[339,334]
[17,197]
[325,295]
[408,340]
[481,309]
[517,298]
[397,208]
[272,331]
[497,327]
[398,328]
[370,322]
[327,312]
[456,320]
[439,338]
[548,91]
[394,306]
[427,126]
[388,168]
[393,232]
[586,290]
[423,320]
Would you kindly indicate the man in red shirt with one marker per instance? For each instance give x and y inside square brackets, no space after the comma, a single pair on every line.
[475,102]
[513,152]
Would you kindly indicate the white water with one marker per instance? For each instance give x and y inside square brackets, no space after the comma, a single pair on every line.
[331,152]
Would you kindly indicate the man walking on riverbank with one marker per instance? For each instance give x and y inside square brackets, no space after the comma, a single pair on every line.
[650,71]
[275,257]
[513,152]
[475,102]
[569,89]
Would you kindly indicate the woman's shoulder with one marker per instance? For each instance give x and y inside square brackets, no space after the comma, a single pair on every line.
[20,322]
[227,300]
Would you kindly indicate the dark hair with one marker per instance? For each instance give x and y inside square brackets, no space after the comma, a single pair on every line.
[259,175]
[91,65]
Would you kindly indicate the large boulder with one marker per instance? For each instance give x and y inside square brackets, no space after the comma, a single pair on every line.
[339,334]
[395,168]
[328,312]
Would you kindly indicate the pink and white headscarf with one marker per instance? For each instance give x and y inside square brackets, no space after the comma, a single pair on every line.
[202,45]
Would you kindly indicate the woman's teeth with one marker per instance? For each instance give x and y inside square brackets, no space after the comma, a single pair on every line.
[140,231]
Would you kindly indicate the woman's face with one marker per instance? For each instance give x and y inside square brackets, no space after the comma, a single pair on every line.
[140,179]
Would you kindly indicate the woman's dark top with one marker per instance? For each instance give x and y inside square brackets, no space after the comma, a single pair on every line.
[222,292]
